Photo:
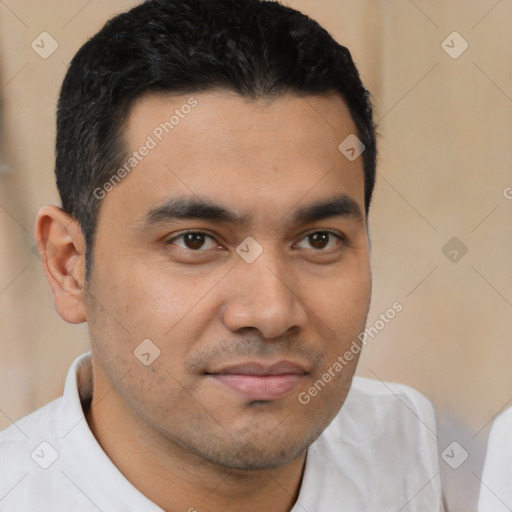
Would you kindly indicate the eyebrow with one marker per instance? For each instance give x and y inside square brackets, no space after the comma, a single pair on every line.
[192,208]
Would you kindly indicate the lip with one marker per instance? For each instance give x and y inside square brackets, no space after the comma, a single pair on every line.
[259,381]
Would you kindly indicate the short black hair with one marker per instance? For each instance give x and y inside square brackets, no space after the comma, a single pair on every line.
[256,48]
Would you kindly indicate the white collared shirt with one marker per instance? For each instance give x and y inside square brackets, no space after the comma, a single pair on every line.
[378,454]
[496,488]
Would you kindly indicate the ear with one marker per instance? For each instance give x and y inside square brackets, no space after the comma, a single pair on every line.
[62,250]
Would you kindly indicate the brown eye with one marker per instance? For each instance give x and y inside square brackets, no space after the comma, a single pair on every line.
[321,240]
[193,241]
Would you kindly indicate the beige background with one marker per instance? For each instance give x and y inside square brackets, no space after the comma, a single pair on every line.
[445,165]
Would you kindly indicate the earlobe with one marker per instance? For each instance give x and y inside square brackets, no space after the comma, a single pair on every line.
[62,249]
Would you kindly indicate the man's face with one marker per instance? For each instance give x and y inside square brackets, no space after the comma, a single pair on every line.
[239,339]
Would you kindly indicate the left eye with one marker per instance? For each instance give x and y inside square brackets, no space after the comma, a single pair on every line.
[194,241]
[321,240]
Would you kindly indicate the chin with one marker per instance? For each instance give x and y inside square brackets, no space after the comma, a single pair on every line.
[254,454]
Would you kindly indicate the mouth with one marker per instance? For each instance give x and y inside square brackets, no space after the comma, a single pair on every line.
[258,381]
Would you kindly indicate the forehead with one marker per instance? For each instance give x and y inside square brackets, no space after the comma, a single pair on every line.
[310,116]
[241,152]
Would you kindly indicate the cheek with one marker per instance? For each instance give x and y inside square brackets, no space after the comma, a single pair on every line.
[147,299]
[343,306]
[344,299]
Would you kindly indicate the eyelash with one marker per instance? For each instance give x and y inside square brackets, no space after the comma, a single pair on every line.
[339,236]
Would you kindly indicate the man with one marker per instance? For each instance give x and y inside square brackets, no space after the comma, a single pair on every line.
[216,162]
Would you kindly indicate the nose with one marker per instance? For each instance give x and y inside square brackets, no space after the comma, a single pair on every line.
[263,296]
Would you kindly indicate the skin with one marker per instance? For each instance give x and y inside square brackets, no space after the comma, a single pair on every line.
[182,438]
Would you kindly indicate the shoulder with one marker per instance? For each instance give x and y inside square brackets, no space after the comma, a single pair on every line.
[382,447]
[501,430]
[389,400]
[495,491]
[24,435]
[499,445]
[39,421]
[389,420]
[381,388]
[27,448]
